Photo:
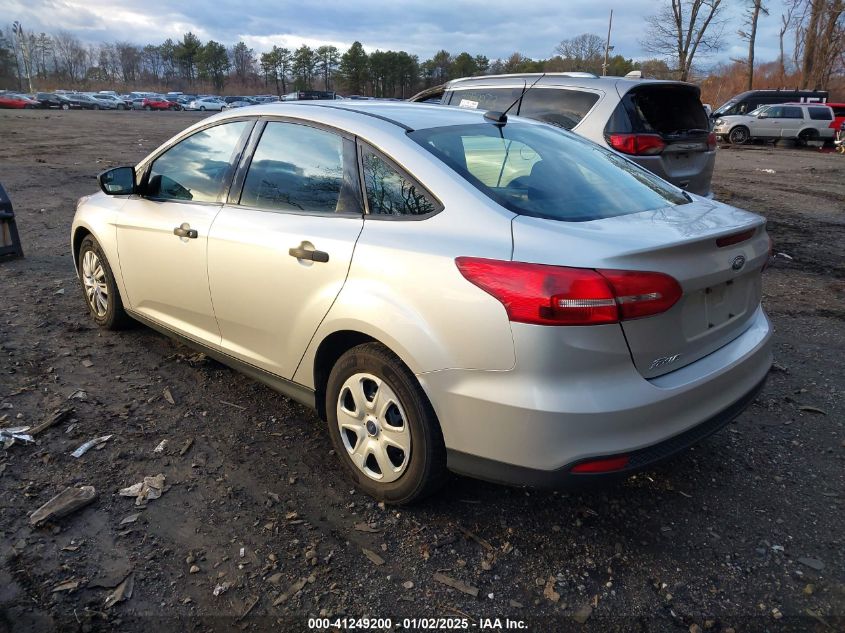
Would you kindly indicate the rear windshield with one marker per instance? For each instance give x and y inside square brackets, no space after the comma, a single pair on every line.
[545,172]
[666,109]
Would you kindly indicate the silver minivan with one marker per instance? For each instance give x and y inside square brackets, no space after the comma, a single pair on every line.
[660,125]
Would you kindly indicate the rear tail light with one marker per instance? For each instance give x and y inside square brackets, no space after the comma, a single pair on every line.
[557,295]
[771,256]
[597,466]
[735,238]
[711,141]
[637,144]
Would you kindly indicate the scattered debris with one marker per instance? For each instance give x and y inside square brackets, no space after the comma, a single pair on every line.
[221,588]
[785,256]
[79,394]
[364,527]
[471,535]
[161,446]
[549,590]
[67,501]
[812,563]
[811,409]
[583,614]
[292,591]
[168,396]
[408,584]
[79,452]
[232,404]
[455,584]
[150,488]
[58,416]
[130,519]
[122,592]
[249,607]
[66,585]
[186,446]
[15,433]
[87,363]
[375,558]
[766,171]
[194,569]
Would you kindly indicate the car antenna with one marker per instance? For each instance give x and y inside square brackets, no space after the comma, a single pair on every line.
[501,118]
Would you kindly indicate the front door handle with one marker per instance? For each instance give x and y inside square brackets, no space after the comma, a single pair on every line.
[304,253]
[185,231]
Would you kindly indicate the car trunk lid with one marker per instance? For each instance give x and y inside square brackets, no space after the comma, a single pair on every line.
[721,284]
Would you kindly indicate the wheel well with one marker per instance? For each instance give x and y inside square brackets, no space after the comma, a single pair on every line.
[331,349]
[78,236]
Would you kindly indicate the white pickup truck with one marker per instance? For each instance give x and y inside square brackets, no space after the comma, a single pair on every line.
[801,121]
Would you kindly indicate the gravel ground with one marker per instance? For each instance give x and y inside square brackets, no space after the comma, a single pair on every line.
[743,532]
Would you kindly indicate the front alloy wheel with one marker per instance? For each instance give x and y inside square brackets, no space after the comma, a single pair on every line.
[99,287]
[739,135]
[94,282]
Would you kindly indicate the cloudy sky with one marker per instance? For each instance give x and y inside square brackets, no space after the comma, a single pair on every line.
[495,29]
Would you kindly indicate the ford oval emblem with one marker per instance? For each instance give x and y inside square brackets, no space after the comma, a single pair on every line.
[739,262]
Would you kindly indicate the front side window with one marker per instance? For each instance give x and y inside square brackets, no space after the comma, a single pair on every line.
[542,171]
[197,168]
[775,112]
[301,168]
[391,193]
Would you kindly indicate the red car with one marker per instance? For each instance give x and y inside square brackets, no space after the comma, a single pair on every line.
[16,101]
[156,103]
[838,115]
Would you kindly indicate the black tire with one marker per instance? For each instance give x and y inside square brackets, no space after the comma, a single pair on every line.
[426,468]
[147,108]
[115,317]
[739,135]
[807,135]
[202,108]
[120,106]
[96,107]
[65,106]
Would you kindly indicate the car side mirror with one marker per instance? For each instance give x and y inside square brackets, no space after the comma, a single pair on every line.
[119,181]
[763,115]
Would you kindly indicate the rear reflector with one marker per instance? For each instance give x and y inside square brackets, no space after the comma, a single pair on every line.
[558,295]
[637,144]
[607,465]
[736,238]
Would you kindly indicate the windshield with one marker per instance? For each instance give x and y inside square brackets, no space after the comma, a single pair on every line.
[545,172]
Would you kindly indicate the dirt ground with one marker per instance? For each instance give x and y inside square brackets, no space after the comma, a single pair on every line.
[744,532]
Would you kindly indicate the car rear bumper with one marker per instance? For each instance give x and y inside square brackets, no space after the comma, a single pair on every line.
[531,425]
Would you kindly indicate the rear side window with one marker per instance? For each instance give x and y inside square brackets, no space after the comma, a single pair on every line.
[564,108]
[820,114]
[839,111]
[485,98]
[197,168]
[300,168]
[792,112]
[392,193]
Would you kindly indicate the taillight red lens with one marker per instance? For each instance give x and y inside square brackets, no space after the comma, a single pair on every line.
[711,141]
[606,465]
[641,294]
[637,144]
[557,295]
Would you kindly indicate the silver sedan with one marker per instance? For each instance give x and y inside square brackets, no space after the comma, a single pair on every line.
[450,290]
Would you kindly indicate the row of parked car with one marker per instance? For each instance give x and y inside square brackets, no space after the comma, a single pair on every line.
[111,100]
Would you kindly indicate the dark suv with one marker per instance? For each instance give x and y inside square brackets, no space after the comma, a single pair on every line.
[660,125]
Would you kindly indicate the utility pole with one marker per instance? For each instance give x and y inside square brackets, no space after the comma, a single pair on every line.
[607,44]
[18,30]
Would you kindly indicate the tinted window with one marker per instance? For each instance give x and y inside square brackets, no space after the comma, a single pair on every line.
[792,112]
[485,98]
[666,109]
[391,193]
[564,108]
[775,112]
[300,168]
[545,172]
[197,168]
[820,114]
[839,111]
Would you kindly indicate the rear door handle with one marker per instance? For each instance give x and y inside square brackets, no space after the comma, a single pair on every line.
[185,230]
[304,253]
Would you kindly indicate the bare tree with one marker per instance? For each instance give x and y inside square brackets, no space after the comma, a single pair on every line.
[752,14]
[819,39]
[786,20]
[71,55]
[582,52]
[682,29]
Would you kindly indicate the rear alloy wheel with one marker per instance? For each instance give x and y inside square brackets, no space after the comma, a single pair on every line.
[383,427]
[739,135]
[99,287]
[65,106]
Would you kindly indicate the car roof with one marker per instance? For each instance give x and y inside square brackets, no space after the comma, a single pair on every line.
[583,80]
